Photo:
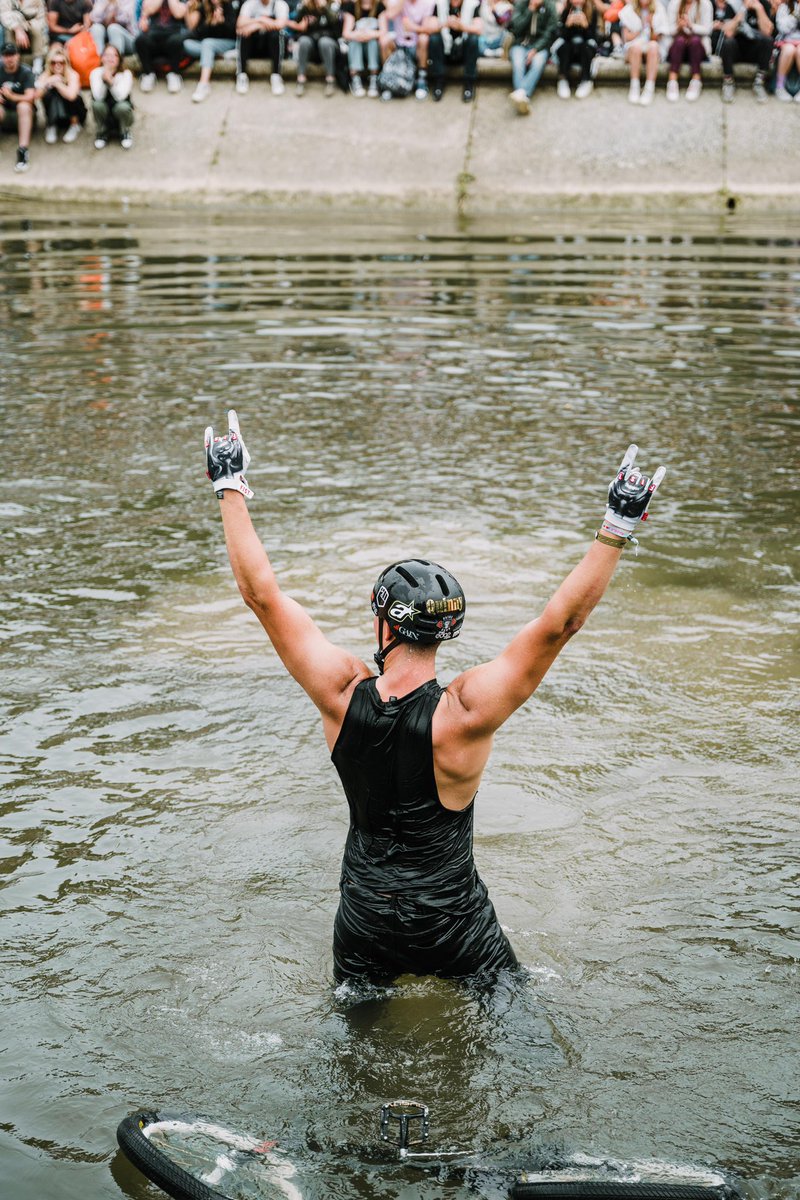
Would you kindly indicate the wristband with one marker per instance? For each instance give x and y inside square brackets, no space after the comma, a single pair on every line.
[619,543]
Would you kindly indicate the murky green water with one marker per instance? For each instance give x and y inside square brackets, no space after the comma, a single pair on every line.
[171,825]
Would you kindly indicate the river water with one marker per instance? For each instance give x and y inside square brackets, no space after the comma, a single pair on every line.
[171,824]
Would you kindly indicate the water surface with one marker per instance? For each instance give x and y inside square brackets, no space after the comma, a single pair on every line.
[171,824]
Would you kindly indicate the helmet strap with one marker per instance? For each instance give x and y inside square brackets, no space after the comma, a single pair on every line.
[382,651]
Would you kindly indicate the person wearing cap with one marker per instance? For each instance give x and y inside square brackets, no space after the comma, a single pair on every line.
[17,95]
[410,754]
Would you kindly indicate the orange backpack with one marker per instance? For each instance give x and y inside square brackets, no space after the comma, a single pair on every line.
[83,55]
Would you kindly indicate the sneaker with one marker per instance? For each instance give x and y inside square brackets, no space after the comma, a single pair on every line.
[277,85]
[562,90]
[468,95]
[300,87]
[147,82]
[330,87]
[496,53]
[242,83]
[200,93]
[728,91]
[100,143]
[421,91]
[797,97]
[23,160]
[759,91]
[584,89]
[519,98]
[437,93]
[37,66]
[372,90]
[618,52]
[648,92]
[357,87]
[782,94]
[635,91]
[51,135]
[673,91]
[174,82]
[72,133]
[386,96]
[694,89]
[127,140]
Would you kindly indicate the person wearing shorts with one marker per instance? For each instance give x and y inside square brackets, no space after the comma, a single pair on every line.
[410,753]
[644,28]
[17,99]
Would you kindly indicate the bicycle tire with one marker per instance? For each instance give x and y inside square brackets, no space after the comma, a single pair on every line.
[592,1189]
[159,1169]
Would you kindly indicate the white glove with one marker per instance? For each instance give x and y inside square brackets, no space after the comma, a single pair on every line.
[629,495]
[227,459]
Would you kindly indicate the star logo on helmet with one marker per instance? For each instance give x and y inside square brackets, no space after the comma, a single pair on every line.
[399,611]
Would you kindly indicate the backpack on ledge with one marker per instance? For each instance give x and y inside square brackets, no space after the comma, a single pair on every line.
[398,73]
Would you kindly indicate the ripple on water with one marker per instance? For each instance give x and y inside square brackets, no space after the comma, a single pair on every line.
[171,826]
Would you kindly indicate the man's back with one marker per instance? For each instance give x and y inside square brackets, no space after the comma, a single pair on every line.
[401,837]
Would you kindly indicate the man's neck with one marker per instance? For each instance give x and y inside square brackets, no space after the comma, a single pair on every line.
[405,670]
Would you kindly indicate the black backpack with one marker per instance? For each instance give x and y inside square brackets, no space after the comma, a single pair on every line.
[398,73]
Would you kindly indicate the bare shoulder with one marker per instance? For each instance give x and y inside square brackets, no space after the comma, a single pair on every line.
[461,748]
[333,705]
[458,716]
[341,686]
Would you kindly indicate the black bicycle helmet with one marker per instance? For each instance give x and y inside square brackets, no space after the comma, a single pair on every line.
[421,603]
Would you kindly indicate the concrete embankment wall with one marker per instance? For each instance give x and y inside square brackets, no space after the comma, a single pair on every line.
[470,160]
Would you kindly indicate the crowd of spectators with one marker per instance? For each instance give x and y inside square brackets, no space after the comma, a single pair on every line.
[373,48]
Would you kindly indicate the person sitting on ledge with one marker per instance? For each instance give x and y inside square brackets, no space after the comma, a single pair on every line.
[455,42]
[787,20]
[114,21]
[576,45]
[65,18]
[319,24]
[25,23]
[59,89]
[534,24]
[259,33]
[690,24]
[742,32]
[112,106]
[495,18]
[212,33]
[161,40]
[361,31]
[644,28]
[17,99]
[408,25]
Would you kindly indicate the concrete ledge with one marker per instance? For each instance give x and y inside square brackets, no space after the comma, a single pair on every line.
[490,70]
[363,156]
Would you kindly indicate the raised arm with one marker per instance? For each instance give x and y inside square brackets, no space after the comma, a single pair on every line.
[485,696]
[325,672]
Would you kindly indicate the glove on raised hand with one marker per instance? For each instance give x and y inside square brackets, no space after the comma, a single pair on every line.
[227,459]
[628,497]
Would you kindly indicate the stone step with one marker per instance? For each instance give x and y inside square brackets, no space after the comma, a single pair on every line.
[490,70]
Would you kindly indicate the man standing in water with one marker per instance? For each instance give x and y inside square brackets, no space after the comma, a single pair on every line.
[409,753]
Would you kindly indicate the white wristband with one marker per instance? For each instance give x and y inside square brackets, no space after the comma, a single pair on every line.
[234,483]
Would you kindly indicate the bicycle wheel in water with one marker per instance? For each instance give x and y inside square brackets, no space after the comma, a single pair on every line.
[195,1158]
[615,1190]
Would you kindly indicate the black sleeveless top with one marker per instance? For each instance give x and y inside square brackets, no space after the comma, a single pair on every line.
[401,839]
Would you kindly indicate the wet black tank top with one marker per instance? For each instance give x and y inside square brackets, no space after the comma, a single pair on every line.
[400,838]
